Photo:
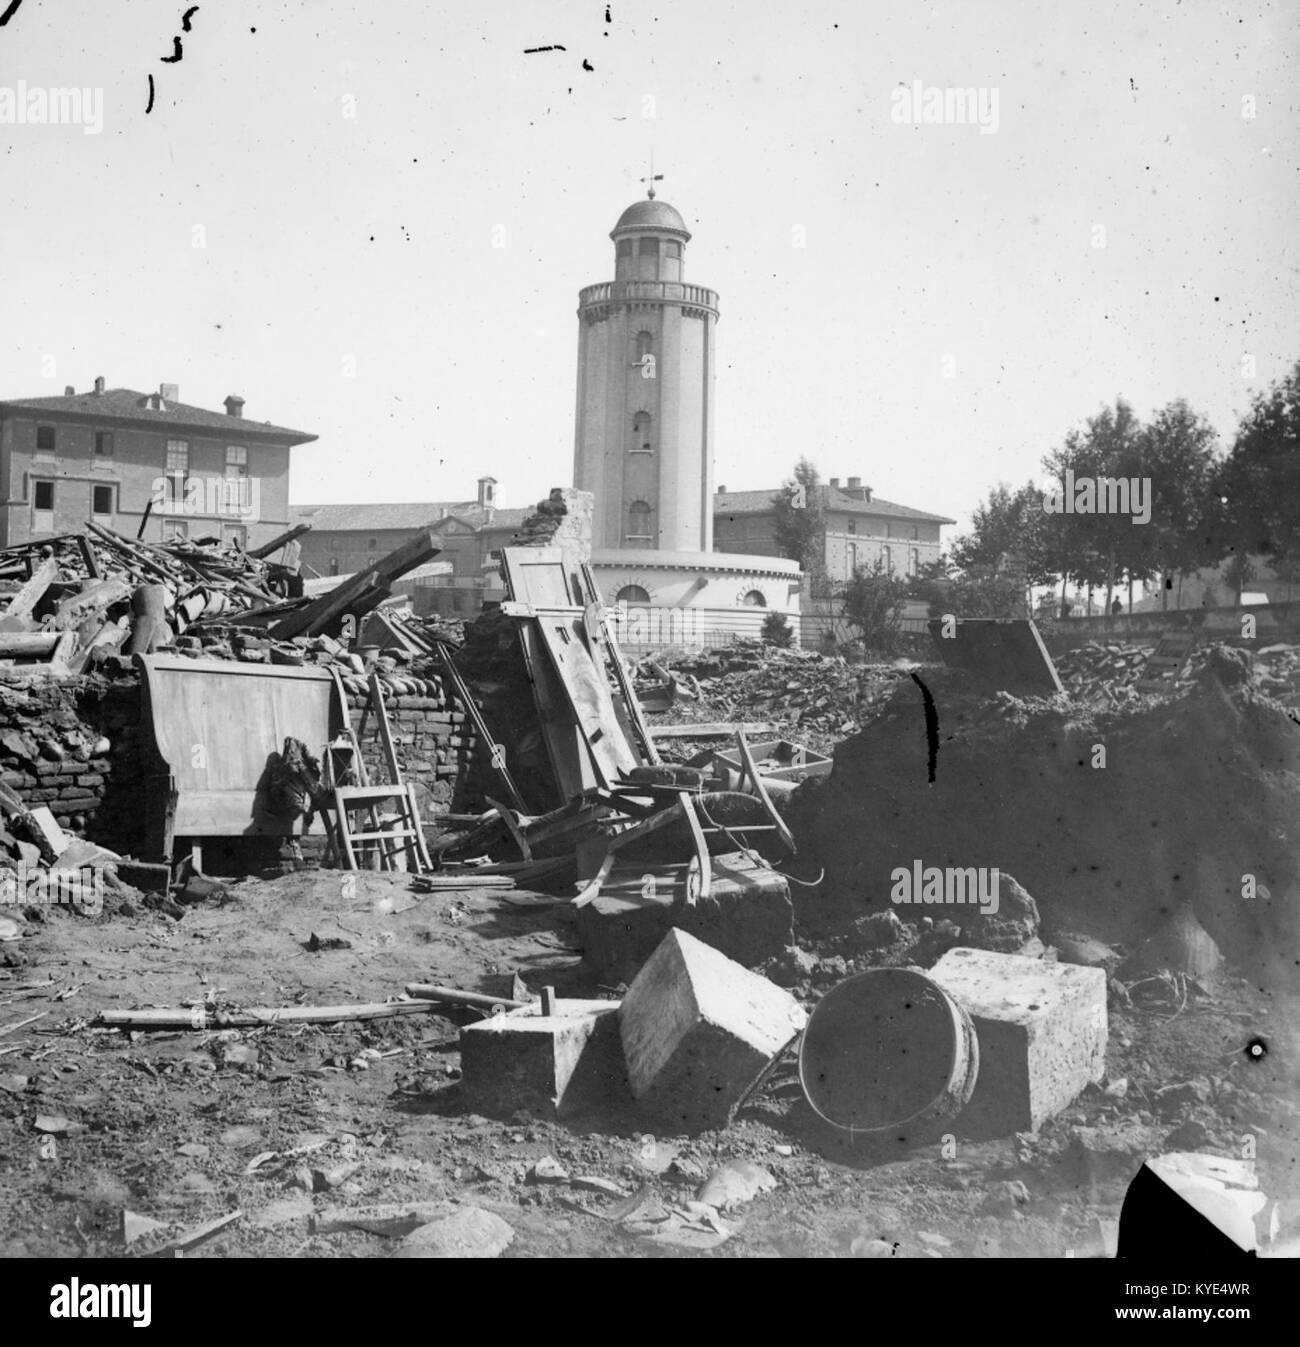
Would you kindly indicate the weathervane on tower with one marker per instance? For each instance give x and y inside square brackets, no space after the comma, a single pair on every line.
[652,179]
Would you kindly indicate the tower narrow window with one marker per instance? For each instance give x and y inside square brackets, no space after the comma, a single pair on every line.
[640,528]
[649,248]
[641,434]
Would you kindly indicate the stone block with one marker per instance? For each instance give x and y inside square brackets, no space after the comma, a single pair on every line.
[1042,1035]
[747,916]
[698,1030]
[547,1064]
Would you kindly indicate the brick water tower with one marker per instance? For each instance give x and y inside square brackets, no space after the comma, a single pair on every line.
[644,434]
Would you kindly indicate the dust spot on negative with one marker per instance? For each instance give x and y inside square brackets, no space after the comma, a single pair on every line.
[1256,1050]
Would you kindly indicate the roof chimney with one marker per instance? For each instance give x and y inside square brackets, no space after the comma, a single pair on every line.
[854,483]
[169,392]
[99,383]
[69,391]
[722,490]
[835,482]
[234,406]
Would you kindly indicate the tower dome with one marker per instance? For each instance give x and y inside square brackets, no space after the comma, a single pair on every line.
[651,214]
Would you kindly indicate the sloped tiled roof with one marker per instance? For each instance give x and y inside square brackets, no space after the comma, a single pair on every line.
[126,404]
[406,516]
[831,498]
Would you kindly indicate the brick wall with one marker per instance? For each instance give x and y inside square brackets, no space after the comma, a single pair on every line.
[77,747]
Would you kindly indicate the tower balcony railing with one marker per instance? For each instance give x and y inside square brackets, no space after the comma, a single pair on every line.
[669,292]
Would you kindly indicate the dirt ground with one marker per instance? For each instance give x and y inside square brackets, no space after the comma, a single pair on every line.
[166,1124]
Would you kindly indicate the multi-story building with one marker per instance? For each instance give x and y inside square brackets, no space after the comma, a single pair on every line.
[121,457]
[859,528]
[345,539]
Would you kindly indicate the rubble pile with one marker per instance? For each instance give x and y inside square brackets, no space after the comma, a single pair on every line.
[1111,671]
[76,599]
[821,697]
[1113,817]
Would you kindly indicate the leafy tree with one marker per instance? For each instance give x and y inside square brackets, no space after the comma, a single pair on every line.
[800,520]
[1176,452]
[1255,509]
[1009,522]
[1098,548]
[873,603]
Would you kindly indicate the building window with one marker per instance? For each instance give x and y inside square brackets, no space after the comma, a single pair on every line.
[104,443]
[624,248]
[914,561]
[632,594]
[372,545]
[45,438]
[672,248]
[236,535]
[641,433]
[178,528]
[853,559]
[236,460]
[334,565]
[101,500]
[178,456]
[649,248]
[915,532]
[887,556]
[889,530]
[638,522]
[852,526]
[42,495]
[754,599]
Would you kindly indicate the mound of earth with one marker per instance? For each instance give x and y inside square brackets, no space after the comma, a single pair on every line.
[1113,820]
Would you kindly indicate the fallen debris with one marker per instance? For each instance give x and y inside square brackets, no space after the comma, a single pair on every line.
[698,1029]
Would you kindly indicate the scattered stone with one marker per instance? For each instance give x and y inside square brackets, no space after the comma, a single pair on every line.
[239,1056]
[194,1150]
[687,1169]
[54,1124]
[698,1029]
[880,929]
[241,1137]
[792,967]
[593,1183]
[470,1232]
[1172,1099]
[547,1170]
[735,1183]
[865,1247]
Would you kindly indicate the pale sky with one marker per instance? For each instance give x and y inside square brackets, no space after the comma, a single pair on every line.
[364,244]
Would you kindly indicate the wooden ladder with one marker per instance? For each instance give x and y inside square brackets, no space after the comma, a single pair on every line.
[352,791]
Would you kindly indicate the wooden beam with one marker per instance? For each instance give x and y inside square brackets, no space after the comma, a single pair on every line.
[422,547]
[18,616]
[711,730]
[279,541]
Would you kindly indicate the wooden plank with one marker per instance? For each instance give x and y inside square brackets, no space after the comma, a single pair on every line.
[714,729]
[588,693]
[18,615]
[280,540]
[422,547]
[198,1018]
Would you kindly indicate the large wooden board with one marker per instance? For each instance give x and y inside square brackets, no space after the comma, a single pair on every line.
[215,725]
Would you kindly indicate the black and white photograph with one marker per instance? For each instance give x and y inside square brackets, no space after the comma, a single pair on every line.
[660,631]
